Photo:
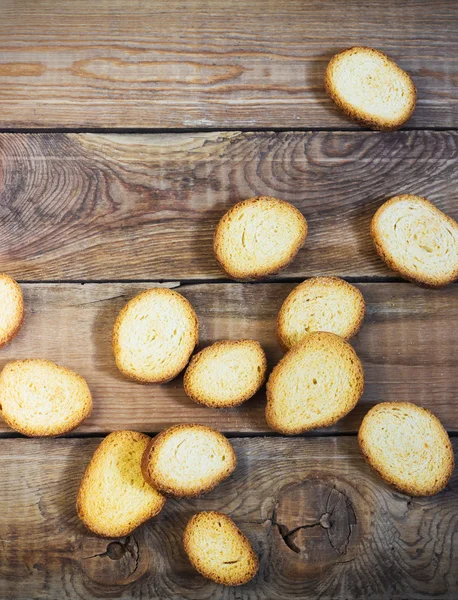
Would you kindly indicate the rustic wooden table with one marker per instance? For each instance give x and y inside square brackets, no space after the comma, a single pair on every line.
[128,128]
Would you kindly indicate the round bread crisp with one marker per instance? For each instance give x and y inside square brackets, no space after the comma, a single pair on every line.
[218,549]
[113,498]
[315,384]
[258,237]
[186,461]
[370,88]
[40,398]
[417,240]
[408,447]
[11,309]
[226,373]
[154,336]
[320,304]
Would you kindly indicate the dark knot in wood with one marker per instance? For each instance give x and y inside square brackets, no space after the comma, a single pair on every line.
[316,520]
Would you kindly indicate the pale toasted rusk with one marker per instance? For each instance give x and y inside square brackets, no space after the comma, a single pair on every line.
[154,336]
[316,383]
[188,460]
[113,498]
[370,88]
[408,447]
[417,240]
[320,304]
[218,549]
[259,237]
[11,309]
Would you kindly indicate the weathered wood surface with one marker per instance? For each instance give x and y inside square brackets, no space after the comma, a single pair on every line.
[83,206]
[407,345]
[323,525]
[222,64]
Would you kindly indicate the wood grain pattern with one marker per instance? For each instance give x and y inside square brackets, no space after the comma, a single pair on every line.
[230,63]
[324,526]
[407,345]
[124,207]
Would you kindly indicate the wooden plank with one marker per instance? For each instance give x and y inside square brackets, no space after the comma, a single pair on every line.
[355,537]
[124,207]
[407,345]
[229,64]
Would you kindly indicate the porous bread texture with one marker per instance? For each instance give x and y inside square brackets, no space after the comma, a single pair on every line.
[258,237]
[40,398]
[11,309]
[154,336]
[417,240]
[320,304]
[370,88]
[218,550]
[316,383]
[113,498]
[408,447]
[225,374]
[186,461]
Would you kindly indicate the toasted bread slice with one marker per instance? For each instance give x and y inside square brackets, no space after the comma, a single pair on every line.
[320,304]
[408,447]
[154,336]
[258,237]
[218,549]
[315,384]
[113,498]
[417,240]
[11,309]
[186,461]
[370,88]
[226,373]
[40,398]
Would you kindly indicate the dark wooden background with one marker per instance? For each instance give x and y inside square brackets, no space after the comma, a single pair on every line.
[127,129]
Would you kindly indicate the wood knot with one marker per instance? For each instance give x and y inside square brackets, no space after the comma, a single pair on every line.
[315,520]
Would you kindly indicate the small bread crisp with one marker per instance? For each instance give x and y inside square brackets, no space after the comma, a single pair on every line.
[40,398]
[315,384]
[218,549]
[113,498]
[370,88]
[226,373]
[408,447]
[11,309]
[320,304]
[186,461]
[258,237]
[154,336]
[417,240]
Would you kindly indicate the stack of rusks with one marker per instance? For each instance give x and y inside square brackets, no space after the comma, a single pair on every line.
[318,381]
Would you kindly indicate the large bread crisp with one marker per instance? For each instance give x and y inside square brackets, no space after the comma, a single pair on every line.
[316,383]
[258,237]
[186,461]
[227,373]
[40,398]
[408,447]
[113,497]
[370,88]
[320,304]
[11,309]
[219,550]
[154,336]
[417,240]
